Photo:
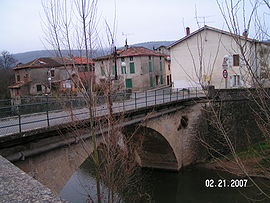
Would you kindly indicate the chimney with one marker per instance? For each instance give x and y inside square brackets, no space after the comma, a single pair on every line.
[187,31]
[245,33]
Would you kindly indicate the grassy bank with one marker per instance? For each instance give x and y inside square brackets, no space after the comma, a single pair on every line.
[254,161]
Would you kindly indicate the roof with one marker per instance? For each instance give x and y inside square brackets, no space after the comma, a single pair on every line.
[206,27]
[53,62]
[131,51]
[82,60]
[18,85]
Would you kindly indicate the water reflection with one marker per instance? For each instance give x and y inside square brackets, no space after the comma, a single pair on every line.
[167,187]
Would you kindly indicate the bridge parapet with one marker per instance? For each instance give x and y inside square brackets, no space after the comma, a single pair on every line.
[236,94]
[17,186]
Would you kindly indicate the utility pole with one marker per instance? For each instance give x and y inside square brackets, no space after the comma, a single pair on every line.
[115,63]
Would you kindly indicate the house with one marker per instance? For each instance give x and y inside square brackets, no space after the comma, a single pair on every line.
[50,75]
[210,56]
[135,68]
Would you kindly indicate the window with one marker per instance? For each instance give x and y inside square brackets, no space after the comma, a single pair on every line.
[160,64]
[131,67]
[168,80]
[52,72]
[131,58]
[169,67]
[102,71]
[161,79]
[68,84]
[26,76]
[157,80]
[123,70]
[122,59]
[150,66]
[160,58]
[114,70]
[39,88]
[128,83]
[236,60]
[149,57]
[18,78]
[236,80]
[151,81]
[17,92]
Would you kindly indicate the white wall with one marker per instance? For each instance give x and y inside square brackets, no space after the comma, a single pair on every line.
[204,51]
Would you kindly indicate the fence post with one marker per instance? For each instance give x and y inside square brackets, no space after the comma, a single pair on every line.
[177,94]
[47,110]
[196,92]
[20,121]
[124,97]
[170,95]
[155,97]
[163,95]
[188,92]
[135,100]
[146,98]
[183,93]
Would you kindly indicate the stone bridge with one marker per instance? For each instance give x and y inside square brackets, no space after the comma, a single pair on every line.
[168,131]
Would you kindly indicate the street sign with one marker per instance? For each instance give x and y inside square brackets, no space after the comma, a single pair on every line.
[225,62]
[225,73]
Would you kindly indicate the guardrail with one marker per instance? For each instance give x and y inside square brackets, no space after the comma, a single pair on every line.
[54,112]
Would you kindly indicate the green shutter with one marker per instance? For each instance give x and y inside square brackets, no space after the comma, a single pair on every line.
[131,67]
[151,81]
[128,83]
[150,66]
[161,79]
[160,65]
[123,70]
[114,70]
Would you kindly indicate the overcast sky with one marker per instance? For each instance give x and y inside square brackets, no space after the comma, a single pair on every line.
[142,20]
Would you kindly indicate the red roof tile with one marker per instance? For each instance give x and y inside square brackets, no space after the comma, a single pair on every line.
[53,62]
[132,51]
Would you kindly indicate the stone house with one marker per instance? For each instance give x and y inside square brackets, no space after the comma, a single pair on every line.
[210,56]
[49,75]
[136,68]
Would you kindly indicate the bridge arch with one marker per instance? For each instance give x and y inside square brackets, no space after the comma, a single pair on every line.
[154,150]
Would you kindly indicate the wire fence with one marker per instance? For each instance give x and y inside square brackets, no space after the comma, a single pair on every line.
[48,111]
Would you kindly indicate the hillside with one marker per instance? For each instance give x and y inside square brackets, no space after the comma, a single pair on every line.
[29,56]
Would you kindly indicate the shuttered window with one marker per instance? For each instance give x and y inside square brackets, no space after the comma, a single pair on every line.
[128,83]
[131,67]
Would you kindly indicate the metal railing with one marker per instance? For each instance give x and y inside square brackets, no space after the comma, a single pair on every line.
[25,117]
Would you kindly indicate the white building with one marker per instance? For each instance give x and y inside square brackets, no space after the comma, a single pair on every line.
[210,56]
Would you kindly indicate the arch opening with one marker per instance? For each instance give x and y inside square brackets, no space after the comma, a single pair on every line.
[154,151]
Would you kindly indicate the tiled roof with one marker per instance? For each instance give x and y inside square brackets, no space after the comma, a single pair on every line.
[132,51]
[82,60]
[53,62]
[18,85]
[138,51]
[206,27]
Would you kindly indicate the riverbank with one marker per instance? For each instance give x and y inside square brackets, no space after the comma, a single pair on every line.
[253,161]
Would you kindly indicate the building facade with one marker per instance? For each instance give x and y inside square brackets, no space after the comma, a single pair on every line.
[210,56]
[135,68]
[49,75]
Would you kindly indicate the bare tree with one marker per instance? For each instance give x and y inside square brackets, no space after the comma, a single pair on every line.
[73,24]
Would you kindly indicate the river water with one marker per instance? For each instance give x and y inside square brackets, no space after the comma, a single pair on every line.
[192,185]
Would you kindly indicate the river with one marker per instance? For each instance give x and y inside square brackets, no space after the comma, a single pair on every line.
[192,185]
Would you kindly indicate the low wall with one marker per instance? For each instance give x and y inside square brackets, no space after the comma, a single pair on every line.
[17,186]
